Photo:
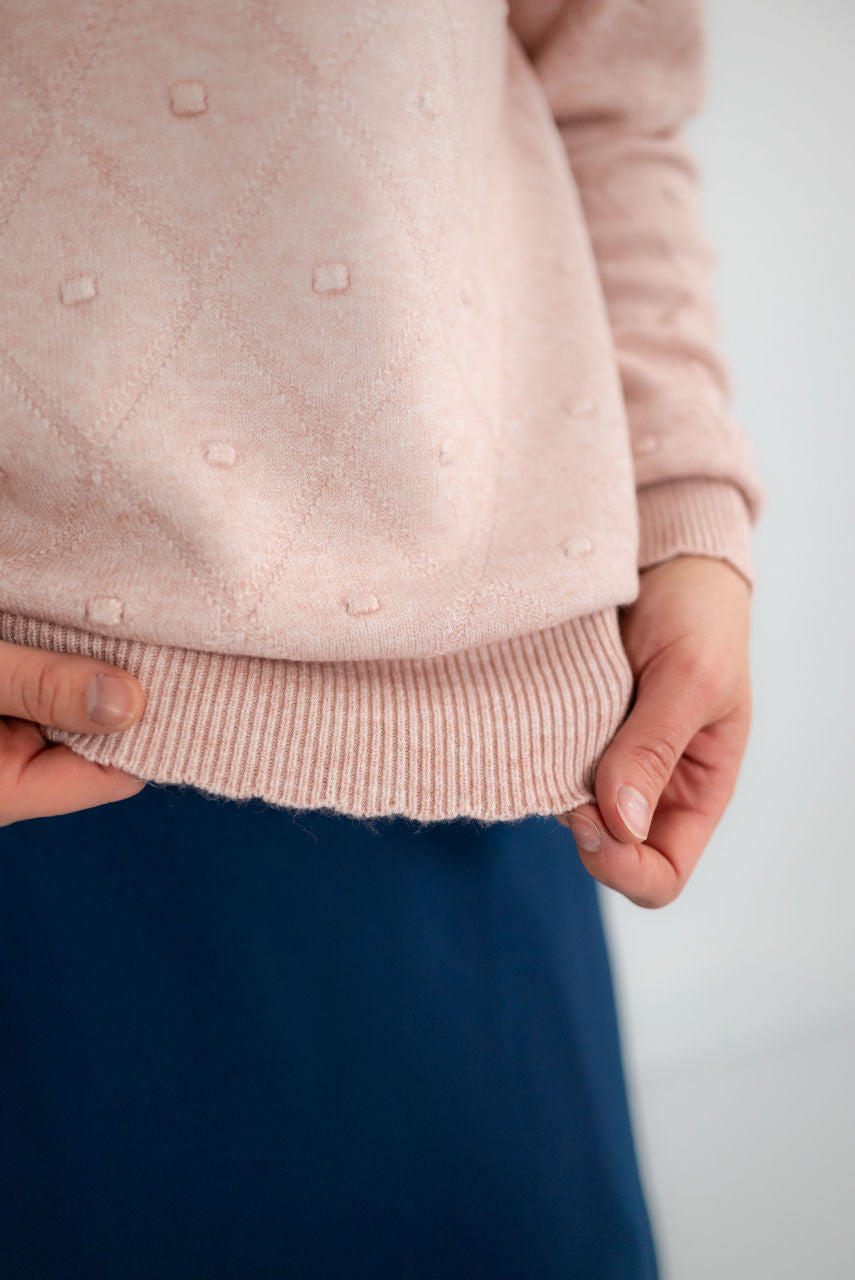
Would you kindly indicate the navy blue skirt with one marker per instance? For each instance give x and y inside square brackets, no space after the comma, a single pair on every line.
[241,1041]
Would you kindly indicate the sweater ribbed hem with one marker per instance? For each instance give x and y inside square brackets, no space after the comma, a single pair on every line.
[695,516]
[496,732]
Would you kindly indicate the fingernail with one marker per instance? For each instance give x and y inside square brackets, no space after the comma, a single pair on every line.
[585,832]
[109,699]
[634,810]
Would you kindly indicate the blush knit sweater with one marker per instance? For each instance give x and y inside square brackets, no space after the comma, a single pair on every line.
[354,359]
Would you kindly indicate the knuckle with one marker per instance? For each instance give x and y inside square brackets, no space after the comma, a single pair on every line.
[710,680]
[656,758]
[696,666]
[657,902]
[663,898]
[11,666]
[705,672]
[41,690]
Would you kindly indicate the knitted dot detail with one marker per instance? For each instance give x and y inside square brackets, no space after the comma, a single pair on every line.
[331,277]
[104,610]
[447,450]
[187,98]
[428,104]
[579,545]
[78,289]
[362,602]
[467,290]
[579,408]
[220,454]
[646,444]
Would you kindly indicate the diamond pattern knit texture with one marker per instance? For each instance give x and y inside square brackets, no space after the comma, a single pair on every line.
[354,358]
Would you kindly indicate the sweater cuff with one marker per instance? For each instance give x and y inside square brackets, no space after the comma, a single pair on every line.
[695,516]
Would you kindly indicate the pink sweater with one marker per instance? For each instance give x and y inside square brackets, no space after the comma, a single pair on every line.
[354,358]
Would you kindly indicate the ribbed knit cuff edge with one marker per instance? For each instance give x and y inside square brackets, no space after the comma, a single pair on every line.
[498,732]
[695,516]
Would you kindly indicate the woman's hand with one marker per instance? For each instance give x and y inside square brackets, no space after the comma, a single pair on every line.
[68,691]
[684,737]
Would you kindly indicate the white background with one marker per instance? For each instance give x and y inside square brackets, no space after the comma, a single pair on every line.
[738,1000]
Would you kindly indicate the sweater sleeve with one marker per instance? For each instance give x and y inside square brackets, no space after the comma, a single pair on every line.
[621,78]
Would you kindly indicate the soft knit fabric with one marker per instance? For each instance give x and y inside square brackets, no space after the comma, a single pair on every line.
[354,358]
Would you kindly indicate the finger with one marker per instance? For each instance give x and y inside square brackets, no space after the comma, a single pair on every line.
[638,871]
[653,873]
[674,701]
[67,691]
[53,780]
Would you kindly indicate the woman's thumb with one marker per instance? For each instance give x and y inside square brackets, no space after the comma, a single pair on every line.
[668,711]
[67,691]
